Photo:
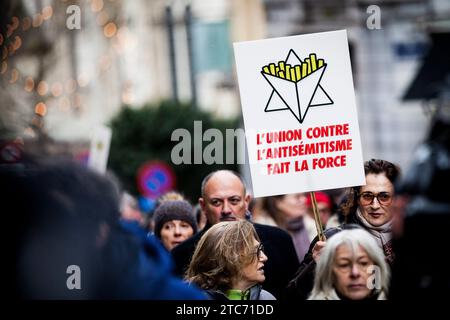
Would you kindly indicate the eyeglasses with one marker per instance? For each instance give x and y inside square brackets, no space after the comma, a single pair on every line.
[384,198]
[259,250]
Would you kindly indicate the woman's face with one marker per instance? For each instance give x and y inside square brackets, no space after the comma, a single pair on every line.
[376,210]
[292,205]
[174,232]
[253,273]
[350,272]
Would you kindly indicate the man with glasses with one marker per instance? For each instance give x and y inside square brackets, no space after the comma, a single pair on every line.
[368,207]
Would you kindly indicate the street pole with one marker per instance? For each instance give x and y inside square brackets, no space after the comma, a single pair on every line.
[173,66]
[188,22]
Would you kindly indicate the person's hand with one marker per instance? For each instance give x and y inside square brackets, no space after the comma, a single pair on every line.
[317,250]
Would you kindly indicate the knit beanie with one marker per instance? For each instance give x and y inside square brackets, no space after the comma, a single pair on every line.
[173,210]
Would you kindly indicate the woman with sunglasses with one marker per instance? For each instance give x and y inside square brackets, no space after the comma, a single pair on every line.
[228,263]
[369,207]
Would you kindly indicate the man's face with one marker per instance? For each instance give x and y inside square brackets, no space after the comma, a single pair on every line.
[224,198]
[378,211]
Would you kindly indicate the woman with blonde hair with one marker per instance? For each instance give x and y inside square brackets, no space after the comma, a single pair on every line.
[351,267]
[228,263]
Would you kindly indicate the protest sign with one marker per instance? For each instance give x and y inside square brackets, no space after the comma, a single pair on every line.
[299,112]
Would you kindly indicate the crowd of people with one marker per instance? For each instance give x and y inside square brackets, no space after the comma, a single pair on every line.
[271,253]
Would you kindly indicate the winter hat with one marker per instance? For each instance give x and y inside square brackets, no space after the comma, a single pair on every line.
[173,210]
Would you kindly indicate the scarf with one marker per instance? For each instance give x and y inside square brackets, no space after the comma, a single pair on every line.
[382,234]
[296,228]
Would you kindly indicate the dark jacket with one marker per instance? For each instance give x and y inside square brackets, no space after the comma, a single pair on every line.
[66,231]
[301,285]
[149,275]
[279,269]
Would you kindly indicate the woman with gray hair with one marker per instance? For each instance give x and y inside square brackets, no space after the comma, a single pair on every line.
[351,267]
[228,263]
[369,206]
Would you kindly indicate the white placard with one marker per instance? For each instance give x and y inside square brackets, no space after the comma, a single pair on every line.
[99,150]
[299,111]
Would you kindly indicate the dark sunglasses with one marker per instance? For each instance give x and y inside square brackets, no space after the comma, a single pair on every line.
[366,198]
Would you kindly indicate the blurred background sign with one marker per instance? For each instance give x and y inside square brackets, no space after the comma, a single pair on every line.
[155,178]
[10,152]
[99,151]
[212,49]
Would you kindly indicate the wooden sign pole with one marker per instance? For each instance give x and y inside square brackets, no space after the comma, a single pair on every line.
[317,217]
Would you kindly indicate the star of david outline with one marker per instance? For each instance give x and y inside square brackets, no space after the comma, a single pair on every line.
[272,105]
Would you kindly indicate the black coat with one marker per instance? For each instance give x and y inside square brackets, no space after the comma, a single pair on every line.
[302,284]
[279,269]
